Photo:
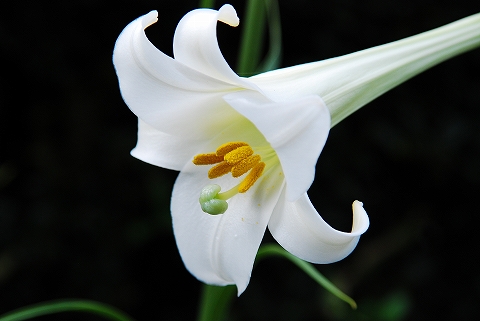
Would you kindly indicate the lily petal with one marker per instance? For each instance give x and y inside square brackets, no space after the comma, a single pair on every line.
[301,231]
[165,93]
[195,44]
[296,129]
[221,249]
[164,150]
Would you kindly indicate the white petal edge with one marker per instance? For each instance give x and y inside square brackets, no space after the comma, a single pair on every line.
[221,249]
[195,44]
[296,129]
[163,150]
[298,228]
[165,93]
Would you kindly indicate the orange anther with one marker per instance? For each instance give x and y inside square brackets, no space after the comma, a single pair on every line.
[245,165]
[228,147]
[238,154]
[252,177]
[219,170]
[207,159]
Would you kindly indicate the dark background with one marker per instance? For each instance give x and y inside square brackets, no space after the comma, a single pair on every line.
[81,218]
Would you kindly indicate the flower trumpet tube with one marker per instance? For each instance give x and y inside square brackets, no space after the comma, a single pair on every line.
[348,82]
[246,148]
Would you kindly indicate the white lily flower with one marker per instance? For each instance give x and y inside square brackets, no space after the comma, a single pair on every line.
[197,116]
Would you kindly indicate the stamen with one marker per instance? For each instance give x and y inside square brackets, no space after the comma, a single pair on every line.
[245,165]
[207,159]
[236,155]
[252,177]
[228,147]
[219,170]
[237,158]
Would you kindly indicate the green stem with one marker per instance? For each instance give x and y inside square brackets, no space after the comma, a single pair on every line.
[252,38]
[272,249]
[215,302]
[45,308]
[206,3]
[274,54]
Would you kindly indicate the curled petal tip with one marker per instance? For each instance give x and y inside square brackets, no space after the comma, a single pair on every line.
[228,15]
[360,218]
[357,203]
[150,18]
[300,230]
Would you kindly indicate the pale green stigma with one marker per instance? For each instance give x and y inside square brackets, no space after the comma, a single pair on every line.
[210,203]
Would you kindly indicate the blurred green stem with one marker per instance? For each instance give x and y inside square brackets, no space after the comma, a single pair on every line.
[252,37]
[206,3]
[274,54]
[215,302]
[308,268]
[45,308]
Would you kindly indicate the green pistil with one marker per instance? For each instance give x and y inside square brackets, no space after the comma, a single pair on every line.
[210,203]
[228,194]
